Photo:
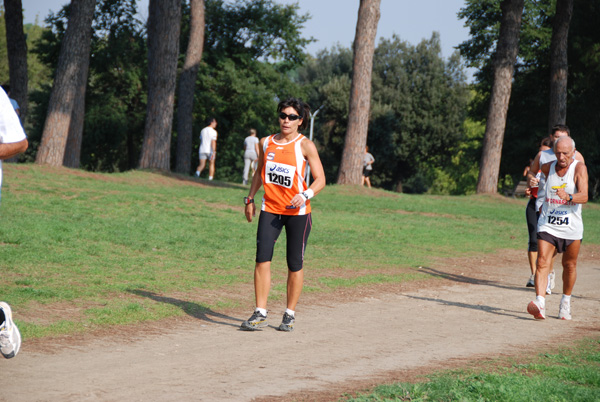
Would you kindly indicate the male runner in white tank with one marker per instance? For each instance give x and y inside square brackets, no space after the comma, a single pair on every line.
[560,226]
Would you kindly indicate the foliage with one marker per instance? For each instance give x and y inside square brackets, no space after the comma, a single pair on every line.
[251,48]
[527,121]
[417,111]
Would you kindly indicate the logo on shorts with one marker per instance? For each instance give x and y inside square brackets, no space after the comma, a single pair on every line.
[270,156]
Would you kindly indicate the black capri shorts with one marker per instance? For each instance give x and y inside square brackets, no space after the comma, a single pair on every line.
[297,229]
[531,215]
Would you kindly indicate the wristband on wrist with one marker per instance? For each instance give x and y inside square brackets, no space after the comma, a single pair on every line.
[308,194]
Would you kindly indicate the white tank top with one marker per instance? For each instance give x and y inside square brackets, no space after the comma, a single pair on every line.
[560,218]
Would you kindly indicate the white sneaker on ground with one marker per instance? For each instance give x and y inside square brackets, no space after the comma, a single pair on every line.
[10,337]
[536,310]
[564,311]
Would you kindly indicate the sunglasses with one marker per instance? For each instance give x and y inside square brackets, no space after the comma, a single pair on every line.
[291,117]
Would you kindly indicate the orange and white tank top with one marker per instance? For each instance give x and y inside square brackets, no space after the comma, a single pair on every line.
[283,176]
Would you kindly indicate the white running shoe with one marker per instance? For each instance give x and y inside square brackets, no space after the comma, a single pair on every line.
[564,311]
[10,337]
[536,310]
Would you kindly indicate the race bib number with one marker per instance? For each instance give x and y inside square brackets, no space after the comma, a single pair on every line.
[279,174]
[558,220]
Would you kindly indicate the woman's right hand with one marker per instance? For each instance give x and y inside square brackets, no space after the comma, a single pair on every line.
[250,211]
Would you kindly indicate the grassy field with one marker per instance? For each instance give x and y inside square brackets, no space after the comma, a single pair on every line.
[82,250]
[571,374]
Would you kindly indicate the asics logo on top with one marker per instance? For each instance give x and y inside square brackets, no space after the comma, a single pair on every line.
[279,169]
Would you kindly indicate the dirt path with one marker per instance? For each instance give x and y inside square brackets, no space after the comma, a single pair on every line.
[478,309]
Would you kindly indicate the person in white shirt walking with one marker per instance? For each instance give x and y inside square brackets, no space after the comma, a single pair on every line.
[208,148]
[250,155]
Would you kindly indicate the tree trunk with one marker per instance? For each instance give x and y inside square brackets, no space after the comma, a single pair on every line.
[72,156]
[360,93]
[164,23]
[17,54]
[74,51]
[187,83]
[504,62]
[559,63]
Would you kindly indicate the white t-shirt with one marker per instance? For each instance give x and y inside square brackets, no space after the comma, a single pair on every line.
[10,126]
[250,143]
[366,159]
[207,135]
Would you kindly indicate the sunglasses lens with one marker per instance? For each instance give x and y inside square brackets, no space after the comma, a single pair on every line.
[291,117]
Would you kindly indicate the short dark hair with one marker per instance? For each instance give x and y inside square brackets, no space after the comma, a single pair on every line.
[210,120]
[6,88]
[560,127]
[299,106]
[547,142]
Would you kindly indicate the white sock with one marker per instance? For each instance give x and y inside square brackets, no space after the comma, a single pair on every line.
[542,300]
[197,173]
[263,311]
[210,177]
[290,312]
[566,299]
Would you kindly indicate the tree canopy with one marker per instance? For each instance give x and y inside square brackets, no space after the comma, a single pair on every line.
[426,122]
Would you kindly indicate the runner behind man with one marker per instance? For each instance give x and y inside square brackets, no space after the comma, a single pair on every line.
[531,216]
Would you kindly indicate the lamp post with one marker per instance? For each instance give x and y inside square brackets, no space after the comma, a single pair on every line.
[312,117]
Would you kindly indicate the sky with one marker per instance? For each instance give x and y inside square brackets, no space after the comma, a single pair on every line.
[334,21]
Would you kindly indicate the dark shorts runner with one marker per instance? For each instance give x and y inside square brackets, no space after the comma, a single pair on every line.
[560,244]
[297,229]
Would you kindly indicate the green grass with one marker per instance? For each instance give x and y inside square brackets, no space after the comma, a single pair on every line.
[571,374]
[111,248]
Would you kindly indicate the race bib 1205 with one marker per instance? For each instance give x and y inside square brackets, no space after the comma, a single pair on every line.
[280,174]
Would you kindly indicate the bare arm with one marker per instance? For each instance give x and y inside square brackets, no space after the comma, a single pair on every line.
[533,169]
[581,183]
[11,149]
[316,169]
[213,145]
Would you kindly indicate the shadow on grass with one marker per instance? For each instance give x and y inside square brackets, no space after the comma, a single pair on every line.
[192,309]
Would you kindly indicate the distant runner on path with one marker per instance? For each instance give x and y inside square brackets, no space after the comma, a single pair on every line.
[560,227]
